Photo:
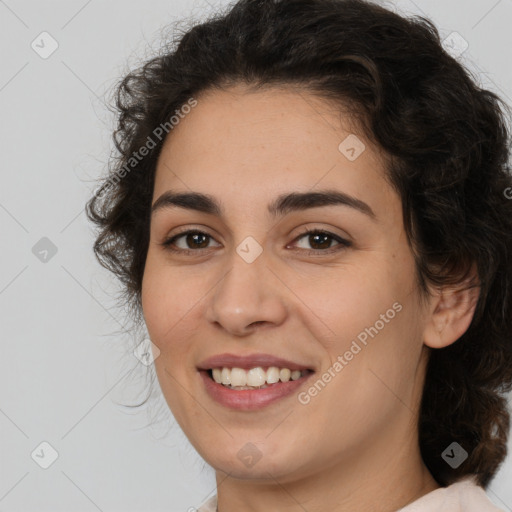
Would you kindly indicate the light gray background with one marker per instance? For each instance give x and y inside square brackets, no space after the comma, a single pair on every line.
[65,363]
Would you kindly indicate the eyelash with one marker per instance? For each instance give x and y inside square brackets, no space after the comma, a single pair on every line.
[342,243]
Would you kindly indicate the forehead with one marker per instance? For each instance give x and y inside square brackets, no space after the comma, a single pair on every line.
[261,122]
[250,143]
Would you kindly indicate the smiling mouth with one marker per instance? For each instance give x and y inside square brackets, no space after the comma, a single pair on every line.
[255,378]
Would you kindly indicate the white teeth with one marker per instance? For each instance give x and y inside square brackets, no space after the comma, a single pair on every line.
[284,375]
[255,377]
[217,375]
[238,377]
[226,376]
[272,375]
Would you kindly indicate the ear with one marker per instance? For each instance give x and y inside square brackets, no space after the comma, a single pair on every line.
[451,312]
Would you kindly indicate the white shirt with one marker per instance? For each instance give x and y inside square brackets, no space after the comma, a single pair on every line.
[462,496]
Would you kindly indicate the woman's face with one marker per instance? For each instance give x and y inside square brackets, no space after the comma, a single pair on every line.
[339,307]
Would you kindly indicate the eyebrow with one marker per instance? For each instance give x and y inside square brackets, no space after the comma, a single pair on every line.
[283,204]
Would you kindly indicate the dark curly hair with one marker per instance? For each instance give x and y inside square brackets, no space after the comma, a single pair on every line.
[447,143]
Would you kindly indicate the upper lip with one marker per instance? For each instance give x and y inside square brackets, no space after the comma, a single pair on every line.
[249,361]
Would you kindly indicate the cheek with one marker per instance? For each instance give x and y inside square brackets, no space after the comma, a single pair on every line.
[154,302]
[172,305]
[355,299]
[165,310]
[159,298]
[377,306]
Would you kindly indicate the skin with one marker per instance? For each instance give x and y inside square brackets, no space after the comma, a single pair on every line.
[354,446]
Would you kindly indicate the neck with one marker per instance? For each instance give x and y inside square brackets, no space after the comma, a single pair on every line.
[384,494]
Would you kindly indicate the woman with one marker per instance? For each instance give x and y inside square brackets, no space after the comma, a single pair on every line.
[310,213]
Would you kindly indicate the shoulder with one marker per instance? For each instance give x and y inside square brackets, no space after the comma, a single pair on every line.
[462,496]
[209,505]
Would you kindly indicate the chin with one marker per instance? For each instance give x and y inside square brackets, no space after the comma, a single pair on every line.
[253,463]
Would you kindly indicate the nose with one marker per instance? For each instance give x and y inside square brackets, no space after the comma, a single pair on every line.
[248,297]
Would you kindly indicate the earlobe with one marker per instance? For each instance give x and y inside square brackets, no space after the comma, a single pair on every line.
[451,314]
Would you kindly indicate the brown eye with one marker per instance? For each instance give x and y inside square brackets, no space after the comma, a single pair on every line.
[196,240]
[191,241]
[320,241]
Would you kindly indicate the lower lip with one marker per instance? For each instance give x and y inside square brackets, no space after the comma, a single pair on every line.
[249,399]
